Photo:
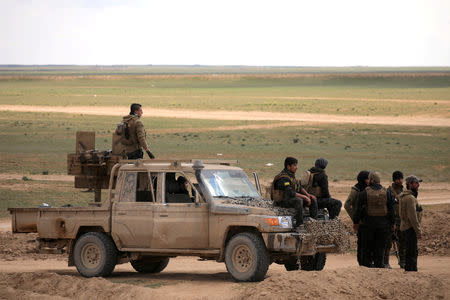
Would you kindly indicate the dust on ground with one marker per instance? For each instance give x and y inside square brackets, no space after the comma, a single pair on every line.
[21,246]
[55,286]
[436,232]
[240,115]
[189,278]
[350,283]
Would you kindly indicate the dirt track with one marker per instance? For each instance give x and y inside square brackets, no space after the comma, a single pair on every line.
[188,278]
[239,115]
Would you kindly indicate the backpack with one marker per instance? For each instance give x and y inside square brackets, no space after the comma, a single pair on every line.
[306,180]
[123,130]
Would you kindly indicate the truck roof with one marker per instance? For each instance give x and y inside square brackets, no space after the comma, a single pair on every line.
[178,165]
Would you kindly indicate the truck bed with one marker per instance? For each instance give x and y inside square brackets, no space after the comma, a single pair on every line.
[58,222]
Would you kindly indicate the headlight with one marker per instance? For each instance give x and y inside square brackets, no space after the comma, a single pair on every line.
[283,222]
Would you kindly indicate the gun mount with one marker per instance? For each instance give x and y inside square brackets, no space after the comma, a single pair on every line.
[91,167]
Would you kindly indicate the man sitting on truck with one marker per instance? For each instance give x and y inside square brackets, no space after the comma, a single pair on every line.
[286,191]
[319,188]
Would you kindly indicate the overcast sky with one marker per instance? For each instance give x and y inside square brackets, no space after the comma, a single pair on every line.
[227,32]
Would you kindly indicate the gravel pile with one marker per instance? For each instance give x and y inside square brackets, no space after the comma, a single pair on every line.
[262,203]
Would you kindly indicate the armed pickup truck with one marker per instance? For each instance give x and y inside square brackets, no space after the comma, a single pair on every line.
[148,218]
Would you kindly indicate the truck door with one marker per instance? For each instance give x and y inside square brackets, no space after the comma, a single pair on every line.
[180,218]
[132,210]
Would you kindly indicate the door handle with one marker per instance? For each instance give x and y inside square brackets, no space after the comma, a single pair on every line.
[163,216]
[121,214]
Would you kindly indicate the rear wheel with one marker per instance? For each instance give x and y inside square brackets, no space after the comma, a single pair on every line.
[313,263]
[149,265]
[246,257]
[95,255]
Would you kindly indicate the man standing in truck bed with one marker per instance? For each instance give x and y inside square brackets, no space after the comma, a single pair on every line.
[287,192]
[132,134]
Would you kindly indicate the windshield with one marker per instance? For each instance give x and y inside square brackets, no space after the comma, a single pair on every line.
[228,183]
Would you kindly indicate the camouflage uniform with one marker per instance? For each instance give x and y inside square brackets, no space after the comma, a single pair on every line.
[283,193]
[136,141]
[395,190]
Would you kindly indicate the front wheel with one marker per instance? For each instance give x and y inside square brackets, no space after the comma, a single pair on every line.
[95,255]
[313,263]
[246,257]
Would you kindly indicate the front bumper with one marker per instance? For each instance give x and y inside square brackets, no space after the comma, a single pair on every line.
[295,242]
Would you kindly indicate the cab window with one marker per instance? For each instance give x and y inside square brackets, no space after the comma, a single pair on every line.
[138,187]
[178,188]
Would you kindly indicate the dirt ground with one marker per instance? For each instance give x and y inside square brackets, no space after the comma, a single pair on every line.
[241,115]
[26,274]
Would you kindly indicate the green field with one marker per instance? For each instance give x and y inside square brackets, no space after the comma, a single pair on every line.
[342,93]
[40,141]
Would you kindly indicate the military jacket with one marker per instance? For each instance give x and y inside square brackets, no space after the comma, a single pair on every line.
[352,202]
[410,212]
[137,139]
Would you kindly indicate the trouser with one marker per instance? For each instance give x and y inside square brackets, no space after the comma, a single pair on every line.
[411,250]
[401,248]
[373,244]
[387,250]
[136,154]
[298,204]
[358,248]
[333,206]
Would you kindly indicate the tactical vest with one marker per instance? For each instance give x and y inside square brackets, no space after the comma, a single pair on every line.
[376,202]
[278,195]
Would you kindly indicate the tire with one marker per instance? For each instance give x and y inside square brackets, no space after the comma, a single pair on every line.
[313,263]
[95,254]
[246,257]
[292,264]
[147,266]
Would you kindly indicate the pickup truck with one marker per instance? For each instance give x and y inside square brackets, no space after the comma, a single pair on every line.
[149,218]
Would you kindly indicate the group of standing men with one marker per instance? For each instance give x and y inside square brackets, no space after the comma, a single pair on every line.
[381,214]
